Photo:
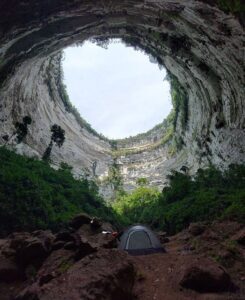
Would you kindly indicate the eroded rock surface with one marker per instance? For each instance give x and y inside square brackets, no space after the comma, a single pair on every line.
[197,42]
[104,275]
[206,276]
[88,269]
[193,267]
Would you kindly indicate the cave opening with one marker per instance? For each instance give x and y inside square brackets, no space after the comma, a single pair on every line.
[117,89]
[195,41]
[161,178]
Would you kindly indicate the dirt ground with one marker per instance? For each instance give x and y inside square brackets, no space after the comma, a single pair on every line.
[158,275]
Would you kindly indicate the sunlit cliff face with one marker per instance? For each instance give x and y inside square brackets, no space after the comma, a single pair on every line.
[197,42]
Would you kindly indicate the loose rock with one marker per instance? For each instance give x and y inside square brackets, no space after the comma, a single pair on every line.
[206,276]
[80,220]
[9,271]
[196,228]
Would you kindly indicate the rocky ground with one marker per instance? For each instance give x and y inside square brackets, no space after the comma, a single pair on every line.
[206,261]
[203,262]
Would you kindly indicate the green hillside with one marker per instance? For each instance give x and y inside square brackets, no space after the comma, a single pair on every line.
[34,195]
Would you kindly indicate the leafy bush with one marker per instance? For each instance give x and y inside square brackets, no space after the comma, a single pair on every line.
[137,207]
[233,6]
[22,128]
[210,195]
[34,195]
[142,181]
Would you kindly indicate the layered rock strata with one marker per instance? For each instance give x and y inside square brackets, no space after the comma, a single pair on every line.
[196,41]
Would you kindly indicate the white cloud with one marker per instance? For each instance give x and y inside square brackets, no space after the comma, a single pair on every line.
[118,91]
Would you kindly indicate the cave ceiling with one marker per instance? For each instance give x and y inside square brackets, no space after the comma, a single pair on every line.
[198,42]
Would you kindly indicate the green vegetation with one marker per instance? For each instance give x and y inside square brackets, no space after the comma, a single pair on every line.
[128,151]
[179,101]
[114,178]
[142,181]
[64,266]
[168,134]
[34,195]
[167,129]
[233,6]
[57,137]
[141,136]
[71,108]
[179,113]
[138,207]
[211,195]
[22,128]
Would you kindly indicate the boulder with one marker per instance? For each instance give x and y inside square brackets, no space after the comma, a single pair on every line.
[31,251]
[80,220]
[70,246]
[239,237]
[17,239]
[96,237]
[205,276]
[65,236]
[2,243]
[95,224]
[58,245]
[106,275]
[46,236]
[57,263]
[196,228]
[210,235]
[85,248]
[26,249]
[9,271]
[105,241]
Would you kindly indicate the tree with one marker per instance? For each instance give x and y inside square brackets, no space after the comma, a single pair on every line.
[22,129]
[57,137]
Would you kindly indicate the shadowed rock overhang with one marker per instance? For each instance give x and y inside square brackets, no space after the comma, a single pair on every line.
[201,43]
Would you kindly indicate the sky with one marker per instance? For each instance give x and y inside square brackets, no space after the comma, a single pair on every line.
[117,90]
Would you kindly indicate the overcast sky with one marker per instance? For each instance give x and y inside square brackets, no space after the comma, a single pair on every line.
[117,90]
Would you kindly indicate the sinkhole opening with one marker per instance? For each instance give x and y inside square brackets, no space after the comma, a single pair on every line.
[117,89]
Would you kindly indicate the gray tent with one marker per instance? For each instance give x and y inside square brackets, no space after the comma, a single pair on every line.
[140,240]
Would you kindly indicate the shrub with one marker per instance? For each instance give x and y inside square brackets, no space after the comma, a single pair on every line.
[22,128]
[35,196]
[210,195]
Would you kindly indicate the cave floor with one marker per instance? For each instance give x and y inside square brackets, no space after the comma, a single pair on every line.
[159,275]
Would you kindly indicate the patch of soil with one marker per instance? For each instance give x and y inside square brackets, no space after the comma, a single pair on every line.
[197,260]
[203,262]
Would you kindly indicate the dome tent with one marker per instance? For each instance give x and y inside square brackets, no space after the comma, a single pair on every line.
[140,240]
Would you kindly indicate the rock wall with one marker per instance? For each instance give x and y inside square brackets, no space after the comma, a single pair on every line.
[34,93]
[197,41]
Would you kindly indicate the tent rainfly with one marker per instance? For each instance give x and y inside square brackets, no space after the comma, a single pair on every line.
[140,240]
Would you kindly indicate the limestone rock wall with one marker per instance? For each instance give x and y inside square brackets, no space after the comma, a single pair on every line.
[197,41]
[34,93]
